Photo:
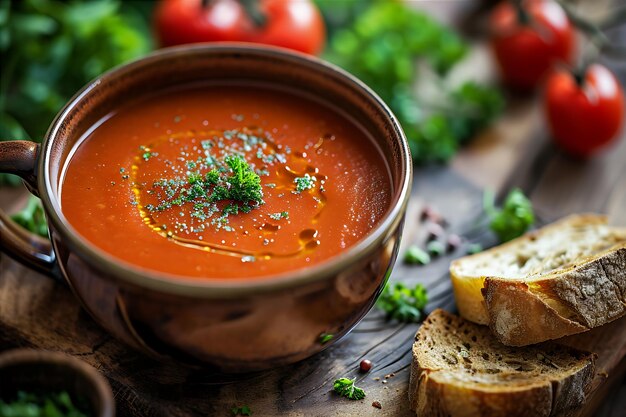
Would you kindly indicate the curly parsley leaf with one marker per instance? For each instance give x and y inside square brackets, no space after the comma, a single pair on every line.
[403,303]
[514,218]
[235,181]
[346,388]
[244,183]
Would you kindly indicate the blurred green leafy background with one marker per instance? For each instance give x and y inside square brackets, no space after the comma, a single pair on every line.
[50,49]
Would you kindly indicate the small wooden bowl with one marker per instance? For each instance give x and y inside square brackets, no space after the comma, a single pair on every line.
[43,371]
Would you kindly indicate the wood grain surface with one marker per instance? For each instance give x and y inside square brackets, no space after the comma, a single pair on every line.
[516,151]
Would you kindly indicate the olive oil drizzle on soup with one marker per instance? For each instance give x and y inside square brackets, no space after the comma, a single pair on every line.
[225,182]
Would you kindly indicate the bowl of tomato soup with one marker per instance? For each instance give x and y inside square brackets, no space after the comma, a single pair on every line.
[231,206]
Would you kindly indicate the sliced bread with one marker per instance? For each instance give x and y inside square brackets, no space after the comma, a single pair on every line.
[562,279]
[459,369]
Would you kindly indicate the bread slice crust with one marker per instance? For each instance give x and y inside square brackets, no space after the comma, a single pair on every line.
[459,369]
[570,295]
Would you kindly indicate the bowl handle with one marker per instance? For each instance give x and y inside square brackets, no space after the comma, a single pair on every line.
[19,157]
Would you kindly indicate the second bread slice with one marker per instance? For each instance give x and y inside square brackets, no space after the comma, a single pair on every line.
[459,369]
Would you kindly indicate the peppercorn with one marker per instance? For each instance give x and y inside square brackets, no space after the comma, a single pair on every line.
[365,365]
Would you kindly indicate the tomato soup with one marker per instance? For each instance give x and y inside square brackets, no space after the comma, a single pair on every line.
[232,181]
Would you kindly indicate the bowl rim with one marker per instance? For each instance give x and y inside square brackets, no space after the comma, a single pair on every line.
[221,287]
[23,356]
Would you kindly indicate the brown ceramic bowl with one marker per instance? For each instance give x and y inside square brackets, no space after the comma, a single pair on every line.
[41,373]
[235,326]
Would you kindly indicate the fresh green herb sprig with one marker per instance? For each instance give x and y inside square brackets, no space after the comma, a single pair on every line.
[514,218]
[325,338]
[32,218]
[236,181]
[243,410]
[31,405]
[346,388]
[244,185]
[402,303]
[381,42]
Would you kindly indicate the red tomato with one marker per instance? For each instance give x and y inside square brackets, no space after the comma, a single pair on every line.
[525,52]
[584,118]
[294,24]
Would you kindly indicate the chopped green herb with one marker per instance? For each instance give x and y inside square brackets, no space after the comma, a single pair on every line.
[403,303]
[231,209]
[31,405]
[278,216]
[415,255]
[436,248]
[346,388]
[244,410]
[325,338]
[515,217]
[304,183]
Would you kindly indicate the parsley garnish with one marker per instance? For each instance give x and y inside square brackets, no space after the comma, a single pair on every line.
[325,338]
[515,217]
[245,184]
[346,388]
[403,303]
[236,181]
[241,411]
[278,216]
[304,183]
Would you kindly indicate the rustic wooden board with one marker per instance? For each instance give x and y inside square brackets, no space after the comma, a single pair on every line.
[37,312]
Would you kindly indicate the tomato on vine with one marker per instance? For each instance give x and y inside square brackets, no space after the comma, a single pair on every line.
[293,24]
[528,38]
[585,112]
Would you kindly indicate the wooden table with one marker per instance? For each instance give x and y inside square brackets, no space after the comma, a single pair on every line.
[37,312]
